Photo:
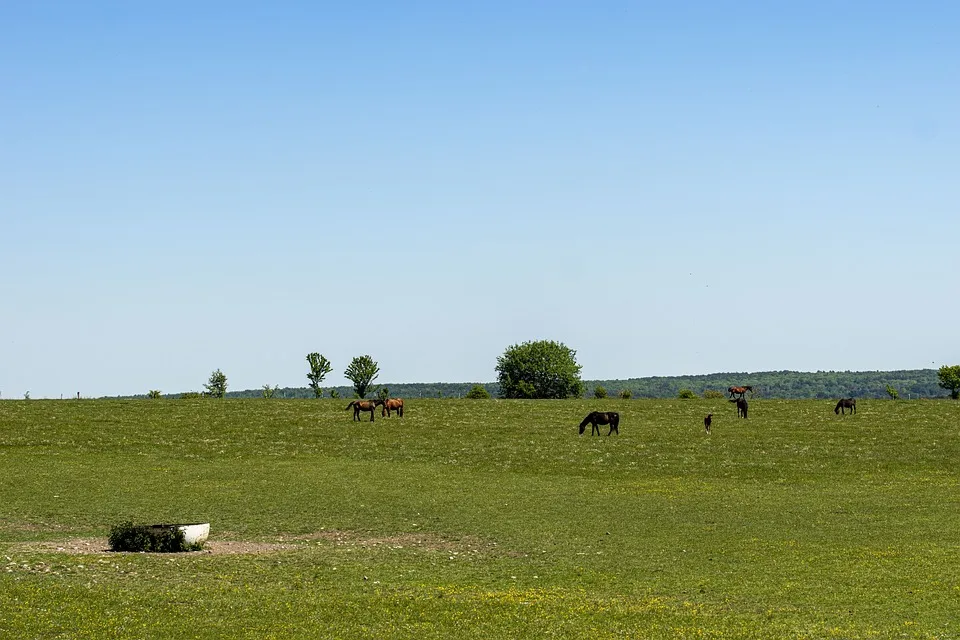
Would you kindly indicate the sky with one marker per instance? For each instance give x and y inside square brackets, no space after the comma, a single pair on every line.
[667,188]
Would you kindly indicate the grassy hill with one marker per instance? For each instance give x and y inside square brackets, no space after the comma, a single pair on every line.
[483,519]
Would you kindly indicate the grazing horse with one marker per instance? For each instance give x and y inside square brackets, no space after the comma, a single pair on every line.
[392,404]
[739,391]
[364,405]
[844,404]
[741,407]
[596,418]
[707,421]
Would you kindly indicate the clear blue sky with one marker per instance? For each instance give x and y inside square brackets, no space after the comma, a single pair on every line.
[665,187]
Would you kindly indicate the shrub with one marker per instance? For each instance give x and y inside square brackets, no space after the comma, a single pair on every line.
[478,392]
[334,394]
[892,393]
[154,394]
[713,394]
[625,394]
[599,392]
[686,394]
[127,536]
[190,395]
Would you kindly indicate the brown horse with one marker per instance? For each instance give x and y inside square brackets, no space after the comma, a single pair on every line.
[392,404]
[844,404]
[741,407]
[707,421]
[595,418]
[364,405]
[739,391]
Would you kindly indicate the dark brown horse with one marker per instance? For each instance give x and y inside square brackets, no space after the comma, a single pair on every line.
[364,405]
[844,404]
[739,391]
[596,418]
[741,407]
[392,404]
[707,421]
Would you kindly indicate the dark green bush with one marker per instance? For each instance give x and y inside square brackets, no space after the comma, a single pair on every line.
[625,394]
[127,536]
[713,394]
[686,394]
[599,392]
[478,392]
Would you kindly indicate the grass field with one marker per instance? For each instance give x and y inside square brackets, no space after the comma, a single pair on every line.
[483,519]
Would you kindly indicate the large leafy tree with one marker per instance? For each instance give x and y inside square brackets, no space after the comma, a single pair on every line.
[950,380]
[540,369]
[361,372]
[217,384]
[319,368]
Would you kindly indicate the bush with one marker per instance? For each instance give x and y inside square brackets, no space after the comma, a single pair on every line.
[478,392]
[892,393]
[153,538]
[599,392]
[154,394]
[686,394]
[625,394]
[334,394]
[713,394]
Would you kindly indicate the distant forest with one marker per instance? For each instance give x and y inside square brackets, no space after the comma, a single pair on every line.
[909,384]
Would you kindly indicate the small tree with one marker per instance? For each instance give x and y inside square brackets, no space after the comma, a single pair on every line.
[478,392]
[153,394]
[361,372]
[625,394]
[892,393]
[319,368]
[334,394]
[599,392]
[541,369]
[686,394]
[268,391]
[26,395]
[950,380]
[216,386]
[383,393]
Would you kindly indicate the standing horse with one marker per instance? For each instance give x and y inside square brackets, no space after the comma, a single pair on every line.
[844,404]
[739,391]
[741,407]
[364,405]
[596,418]
[392,404]
[707,421]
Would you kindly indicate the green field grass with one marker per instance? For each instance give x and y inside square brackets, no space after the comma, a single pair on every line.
[483,519]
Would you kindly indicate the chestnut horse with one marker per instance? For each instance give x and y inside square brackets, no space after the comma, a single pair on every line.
[739,391]
[393,404]
[364,405]
[846,403]
[595,418]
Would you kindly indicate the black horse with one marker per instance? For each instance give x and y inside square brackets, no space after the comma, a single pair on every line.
[844,404]
[364,405]
[596,418]
[741,407]
[707,421]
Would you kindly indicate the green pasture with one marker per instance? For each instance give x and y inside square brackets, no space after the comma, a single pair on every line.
[483,519]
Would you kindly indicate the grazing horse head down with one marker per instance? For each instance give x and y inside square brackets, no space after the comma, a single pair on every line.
[364,405]
[741,407]
[392,404]
[595,418]
[707,421]
[846,403]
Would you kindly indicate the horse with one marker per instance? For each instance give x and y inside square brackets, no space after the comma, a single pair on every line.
[707,421]
[741,407]
[739,391]
[364,405]
[596,418]
[846,403]
[393,404]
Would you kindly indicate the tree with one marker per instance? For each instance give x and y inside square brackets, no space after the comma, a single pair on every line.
[540,369]
[600,392]
[361,372]
[625,394]
[154,394]
[267,391]
[950,379]
[478,392]
[892,392]
[319,368]
[216,386]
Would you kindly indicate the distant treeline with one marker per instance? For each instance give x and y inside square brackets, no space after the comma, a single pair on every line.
[917,383]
